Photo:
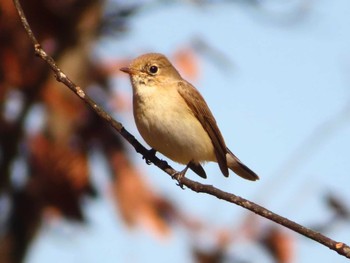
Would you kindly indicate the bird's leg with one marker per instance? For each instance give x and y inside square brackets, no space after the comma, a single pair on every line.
[179,175]
[151,152]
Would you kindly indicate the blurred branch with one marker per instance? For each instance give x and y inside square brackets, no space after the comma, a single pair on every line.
[339,247]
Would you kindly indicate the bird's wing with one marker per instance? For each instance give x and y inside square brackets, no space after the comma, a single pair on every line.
[198,169]
[202,112]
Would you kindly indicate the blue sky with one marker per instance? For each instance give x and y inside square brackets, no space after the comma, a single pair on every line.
[283,108]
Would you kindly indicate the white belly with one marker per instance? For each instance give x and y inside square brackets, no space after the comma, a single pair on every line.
[165,122]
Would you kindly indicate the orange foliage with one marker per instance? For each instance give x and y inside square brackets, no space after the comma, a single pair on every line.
[136,201]
[187,61]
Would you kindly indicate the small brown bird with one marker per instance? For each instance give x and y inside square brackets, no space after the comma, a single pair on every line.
[173,118]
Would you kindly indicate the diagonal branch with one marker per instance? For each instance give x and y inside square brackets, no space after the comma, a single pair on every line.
[339,247]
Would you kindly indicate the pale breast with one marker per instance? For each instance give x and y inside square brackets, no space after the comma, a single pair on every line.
[166,123]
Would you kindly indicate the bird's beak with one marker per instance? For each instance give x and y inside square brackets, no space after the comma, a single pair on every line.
[127,70]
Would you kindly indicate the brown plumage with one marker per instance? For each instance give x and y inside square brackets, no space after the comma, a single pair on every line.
[174,119]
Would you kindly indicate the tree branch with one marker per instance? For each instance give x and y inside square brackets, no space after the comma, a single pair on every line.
[339,247]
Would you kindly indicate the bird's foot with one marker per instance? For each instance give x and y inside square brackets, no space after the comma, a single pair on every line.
[151,153]
[179,175]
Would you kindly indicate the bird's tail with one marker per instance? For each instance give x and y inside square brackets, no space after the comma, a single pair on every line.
[239,168]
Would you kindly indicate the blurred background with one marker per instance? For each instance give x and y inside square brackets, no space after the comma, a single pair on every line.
[276,75]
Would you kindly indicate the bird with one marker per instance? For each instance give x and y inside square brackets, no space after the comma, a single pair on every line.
[174,119]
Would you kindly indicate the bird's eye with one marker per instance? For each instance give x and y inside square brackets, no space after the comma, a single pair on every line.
[153,69]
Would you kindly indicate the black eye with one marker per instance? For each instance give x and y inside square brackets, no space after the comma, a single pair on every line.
[153,69]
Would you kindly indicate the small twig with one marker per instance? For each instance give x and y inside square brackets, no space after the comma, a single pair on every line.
[339,247]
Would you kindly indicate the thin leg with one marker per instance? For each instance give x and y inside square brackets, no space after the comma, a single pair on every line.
[151,152]
[179,175]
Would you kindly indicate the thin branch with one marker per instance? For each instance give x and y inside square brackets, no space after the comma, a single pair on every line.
[339,247]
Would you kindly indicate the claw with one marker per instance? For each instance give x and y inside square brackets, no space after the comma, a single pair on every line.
[150,152]
[179,175]
[146,160]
